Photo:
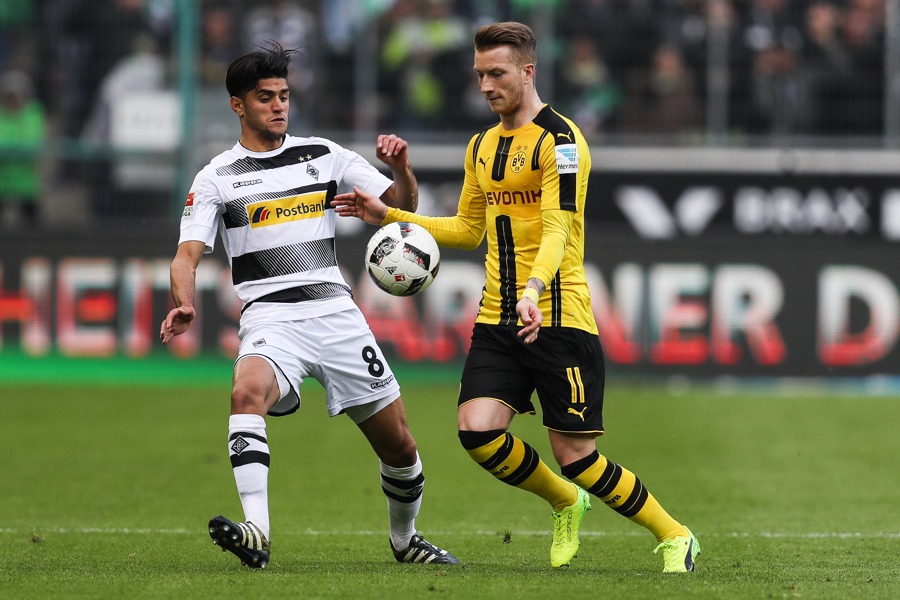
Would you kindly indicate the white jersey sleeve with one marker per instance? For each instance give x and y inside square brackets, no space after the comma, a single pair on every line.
[202,210]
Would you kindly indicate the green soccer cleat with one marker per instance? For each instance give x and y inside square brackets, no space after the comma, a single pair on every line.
[244,540]
[679,553]
[565,530]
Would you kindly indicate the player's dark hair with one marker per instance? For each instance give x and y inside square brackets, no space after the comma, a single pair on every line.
[518,36]
[245,71]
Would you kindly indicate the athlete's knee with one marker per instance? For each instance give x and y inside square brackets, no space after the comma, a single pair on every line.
[247,398]
[401,452]
[471,440]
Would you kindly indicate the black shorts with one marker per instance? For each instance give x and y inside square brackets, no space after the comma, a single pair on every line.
[564,365]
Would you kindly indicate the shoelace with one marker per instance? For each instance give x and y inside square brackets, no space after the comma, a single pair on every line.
[557,525]
[670,559]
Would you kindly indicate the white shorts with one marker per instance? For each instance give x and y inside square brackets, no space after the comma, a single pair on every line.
[338,350]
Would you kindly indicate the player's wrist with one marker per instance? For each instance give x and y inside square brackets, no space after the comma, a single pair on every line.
[532,294]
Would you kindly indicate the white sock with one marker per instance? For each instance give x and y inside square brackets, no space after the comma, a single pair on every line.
[403,488]
[249,454]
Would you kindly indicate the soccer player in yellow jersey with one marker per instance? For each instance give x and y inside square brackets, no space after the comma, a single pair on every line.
[525,187]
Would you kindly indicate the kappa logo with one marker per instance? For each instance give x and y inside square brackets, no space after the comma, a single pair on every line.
[239,445]
[572,411]
[383,383]
[240,184]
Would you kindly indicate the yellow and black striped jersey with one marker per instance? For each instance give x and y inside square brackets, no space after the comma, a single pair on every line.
[525,188]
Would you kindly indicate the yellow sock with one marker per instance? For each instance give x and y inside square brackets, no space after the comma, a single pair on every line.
[514,462]
[623,492]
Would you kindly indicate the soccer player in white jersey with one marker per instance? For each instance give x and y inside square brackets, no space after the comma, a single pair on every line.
[269,198]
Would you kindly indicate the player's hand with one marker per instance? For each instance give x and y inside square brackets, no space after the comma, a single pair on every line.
[176,322]
[392,151]
[531,317]
[361,205]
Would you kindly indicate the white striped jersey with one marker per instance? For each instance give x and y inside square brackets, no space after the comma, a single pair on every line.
[273,212]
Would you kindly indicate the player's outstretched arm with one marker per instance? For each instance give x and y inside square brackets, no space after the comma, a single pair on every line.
[182,273]
[361,205]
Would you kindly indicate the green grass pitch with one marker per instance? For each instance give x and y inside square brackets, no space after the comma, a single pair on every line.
[106,488]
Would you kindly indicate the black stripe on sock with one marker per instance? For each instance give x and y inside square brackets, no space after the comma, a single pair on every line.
[608,481]
[500,455]
[529,463]
[573,470]
[635,501]
[249,457]
[404,484]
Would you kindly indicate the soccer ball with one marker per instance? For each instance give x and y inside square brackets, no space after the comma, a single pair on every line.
[402,259]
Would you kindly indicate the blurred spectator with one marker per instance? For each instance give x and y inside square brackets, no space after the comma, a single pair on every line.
[862,102]
[684,23]
[142,70]
[778,102]
[97,35]
[810,67]
[625,32]
[825,66]
[764,66]
[16,21]
[22,130]
[585,88]
[768,23]
[663,99]
[426,55]
[221,43]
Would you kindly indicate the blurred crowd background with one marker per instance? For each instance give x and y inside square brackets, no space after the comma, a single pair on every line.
[108,107]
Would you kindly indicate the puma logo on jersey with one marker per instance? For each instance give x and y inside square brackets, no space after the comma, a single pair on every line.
[482,162]
[568,136]
[572,411]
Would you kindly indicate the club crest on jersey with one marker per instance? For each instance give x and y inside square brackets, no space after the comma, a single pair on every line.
[566,158]
[284,210]
[518,162]
[312,171]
